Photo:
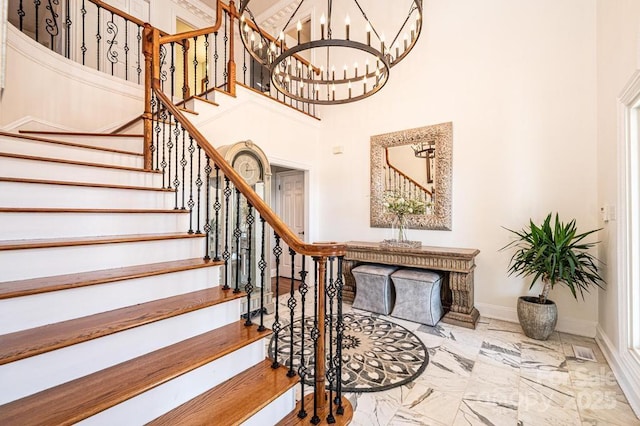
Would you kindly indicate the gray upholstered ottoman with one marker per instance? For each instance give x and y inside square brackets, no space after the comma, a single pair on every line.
[374,291]
[417,295]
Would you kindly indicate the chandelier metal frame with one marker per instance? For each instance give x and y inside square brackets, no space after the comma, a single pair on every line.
[306,82]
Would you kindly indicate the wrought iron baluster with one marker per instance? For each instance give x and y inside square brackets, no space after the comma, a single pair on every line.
[21,14]
[339,337]
[83,47]
[126,50]
[52,22]
[163,62]
[67,25]
[139,64]
[207,223]
[199,186]
[315,334]
[215,59]
[191,203]
[216,208]
[155,111]
[170,146]
[98,38]
[248,288]
[37,3]
[166,116]
[183,163]
[206,66]
[262,265]
[195,65]
[237,234]
[172,69]
[225,73]
[112,53]
[291,304]
[302,370]
[184,69]
[226,254]
[277,326]
[176,145]
[331,370]
[244,66]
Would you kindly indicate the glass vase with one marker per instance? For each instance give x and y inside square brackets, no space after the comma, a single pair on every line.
[399,229]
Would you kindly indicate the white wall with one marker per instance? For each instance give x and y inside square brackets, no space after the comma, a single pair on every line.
[39,82]
[618,56]
[518,81]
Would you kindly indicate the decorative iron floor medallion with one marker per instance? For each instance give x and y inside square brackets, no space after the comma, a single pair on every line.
[376,354]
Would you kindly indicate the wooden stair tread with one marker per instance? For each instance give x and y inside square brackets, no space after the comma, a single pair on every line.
[83,241]
[23,344]
[84,184]
[73,144]
[45,132]
[9,289]
[292,418]
[233,401]
[77,163]
[78,210]
[81,398]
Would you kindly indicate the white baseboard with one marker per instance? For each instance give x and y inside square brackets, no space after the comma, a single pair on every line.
[565,325]
[625,367]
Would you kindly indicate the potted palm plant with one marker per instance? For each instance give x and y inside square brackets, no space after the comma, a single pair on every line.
[554,253]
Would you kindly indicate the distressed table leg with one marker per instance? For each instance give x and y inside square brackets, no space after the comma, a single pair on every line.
[462,312]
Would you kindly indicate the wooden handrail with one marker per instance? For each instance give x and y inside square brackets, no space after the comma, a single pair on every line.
[401,173]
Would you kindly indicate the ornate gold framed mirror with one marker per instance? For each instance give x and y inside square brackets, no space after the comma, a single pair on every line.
[417,164]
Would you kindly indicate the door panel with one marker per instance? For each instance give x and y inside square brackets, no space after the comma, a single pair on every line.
[290,187]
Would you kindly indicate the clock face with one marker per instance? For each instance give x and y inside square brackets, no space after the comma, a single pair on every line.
[248,167]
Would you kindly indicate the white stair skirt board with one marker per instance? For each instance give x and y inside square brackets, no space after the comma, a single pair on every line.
[21,313]
[44,262]
[41,195]
[66,364]
[66,152]
[28,225]
[36,169]
[123,143]
[157,401]
[275,411]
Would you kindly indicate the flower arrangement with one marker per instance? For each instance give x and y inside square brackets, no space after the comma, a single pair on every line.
[397,203]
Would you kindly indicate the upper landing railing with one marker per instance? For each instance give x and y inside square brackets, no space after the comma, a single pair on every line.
[195,63]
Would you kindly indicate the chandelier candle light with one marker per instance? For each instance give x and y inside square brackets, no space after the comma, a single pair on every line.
[308,71]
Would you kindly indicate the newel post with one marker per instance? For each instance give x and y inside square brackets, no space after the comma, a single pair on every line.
[147,116]
[231,65]
[320,393]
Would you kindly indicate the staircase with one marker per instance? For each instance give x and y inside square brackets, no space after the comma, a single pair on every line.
[108,312]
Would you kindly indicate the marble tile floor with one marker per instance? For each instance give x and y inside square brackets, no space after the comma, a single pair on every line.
[495,375]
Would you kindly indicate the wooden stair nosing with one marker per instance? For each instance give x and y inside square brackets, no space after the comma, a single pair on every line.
[84,184]
[35,341]
[79,210]
[84,241]
[10,289]
[72,144]
[235,400]
[77,163]
[45,132]
[78,399]
[292,418]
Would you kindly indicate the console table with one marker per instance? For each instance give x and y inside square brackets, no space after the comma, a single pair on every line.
[456,263]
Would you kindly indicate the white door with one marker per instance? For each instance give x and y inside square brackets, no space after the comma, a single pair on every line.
[290,187]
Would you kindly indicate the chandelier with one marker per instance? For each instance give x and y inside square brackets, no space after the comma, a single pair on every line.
[325,52]
[424,149]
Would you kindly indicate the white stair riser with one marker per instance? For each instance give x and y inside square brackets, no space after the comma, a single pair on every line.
[33,169]
[44,262]
[63,365]
[66,152]
[19,194]
[205,109]
[275,411]
[19,226]
[155,402]
[130,143]
[36,310]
